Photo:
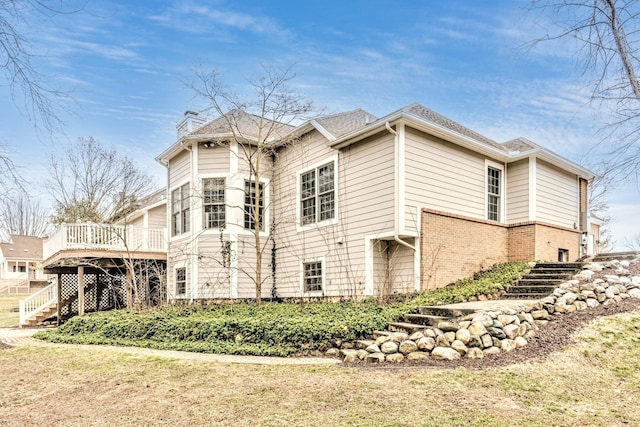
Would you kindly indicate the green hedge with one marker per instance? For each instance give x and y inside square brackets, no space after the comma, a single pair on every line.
[273,329]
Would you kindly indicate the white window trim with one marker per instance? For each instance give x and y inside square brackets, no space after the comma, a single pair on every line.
[323,261]
[299,173]
[182,234]
[501,208]
[201,177]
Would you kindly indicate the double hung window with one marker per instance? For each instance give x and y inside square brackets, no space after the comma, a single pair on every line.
[317,194]
[213,202]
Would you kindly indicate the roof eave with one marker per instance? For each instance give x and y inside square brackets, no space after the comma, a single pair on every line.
[555,159]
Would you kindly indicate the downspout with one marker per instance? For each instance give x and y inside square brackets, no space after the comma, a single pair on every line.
[396,199]
[194,242]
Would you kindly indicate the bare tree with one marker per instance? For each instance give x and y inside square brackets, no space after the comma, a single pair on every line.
[91,183]
[22,215]
[609,42]
[254,123]
[30,89]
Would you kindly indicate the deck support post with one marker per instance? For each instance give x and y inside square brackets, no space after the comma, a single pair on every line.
[59,290]
[80,290]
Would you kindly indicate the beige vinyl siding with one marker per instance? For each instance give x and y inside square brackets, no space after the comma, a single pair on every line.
[443,177]
[179,169]
[158,217]
[246,256]
[213,278]
[557,196]
[518,191]
[364,203]
[214,159]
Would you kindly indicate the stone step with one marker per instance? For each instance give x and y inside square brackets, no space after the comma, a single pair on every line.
[551,275]
[559,265]
[424,319]
[445,312]
[610,256]
[527,295]
[539,282]
[409,328]
[378,334]
[528,290]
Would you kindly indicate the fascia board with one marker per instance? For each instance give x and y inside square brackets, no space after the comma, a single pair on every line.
[556,160]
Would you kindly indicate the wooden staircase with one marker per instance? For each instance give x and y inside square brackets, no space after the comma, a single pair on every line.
[542,280]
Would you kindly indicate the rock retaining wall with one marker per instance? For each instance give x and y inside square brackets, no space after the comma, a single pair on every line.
[495,332]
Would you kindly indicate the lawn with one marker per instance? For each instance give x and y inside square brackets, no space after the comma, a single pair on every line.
[8,317]
[594,382]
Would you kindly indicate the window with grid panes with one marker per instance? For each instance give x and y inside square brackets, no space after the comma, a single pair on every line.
[317,194]
[250,198]
[213,202]
[180,210]
[312,276]
[494,177]
[181,281]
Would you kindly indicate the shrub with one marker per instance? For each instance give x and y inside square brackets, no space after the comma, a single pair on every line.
[271,329]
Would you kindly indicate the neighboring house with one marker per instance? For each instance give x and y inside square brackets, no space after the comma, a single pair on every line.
[357,205]
[21,264]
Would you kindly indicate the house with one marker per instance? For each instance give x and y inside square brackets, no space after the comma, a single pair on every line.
[21,265]
[351,205]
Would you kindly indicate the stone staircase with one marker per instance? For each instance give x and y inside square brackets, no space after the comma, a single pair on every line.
[428,316]
[542,280]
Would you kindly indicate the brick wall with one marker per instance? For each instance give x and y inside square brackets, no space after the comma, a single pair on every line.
[454,246]
[549,239]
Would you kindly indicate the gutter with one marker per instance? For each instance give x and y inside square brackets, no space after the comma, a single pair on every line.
[396,199]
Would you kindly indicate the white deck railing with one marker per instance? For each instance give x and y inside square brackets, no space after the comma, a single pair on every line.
[41,300]
[105,237]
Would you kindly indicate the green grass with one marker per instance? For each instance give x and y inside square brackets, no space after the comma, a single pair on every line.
[577,386]
[271,329]
[9,317]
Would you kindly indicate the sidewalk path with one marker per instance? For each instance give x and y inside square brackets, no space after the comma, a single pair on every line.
[23,338]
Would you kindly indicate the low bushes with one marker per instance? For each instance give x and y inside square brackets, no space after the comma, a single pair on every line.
[273,329]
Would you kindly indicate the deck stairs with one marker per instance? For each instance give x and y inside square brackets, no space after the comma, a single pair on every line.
[542,280]
[44,304]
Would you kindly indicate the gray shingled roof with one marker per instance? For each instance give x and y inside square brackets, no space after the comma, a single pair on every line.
[438,119]
[343,123]
[519,145]
[243,125]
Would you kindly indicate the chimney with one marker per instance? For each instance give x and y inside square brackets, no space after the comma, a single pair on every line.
[191,122]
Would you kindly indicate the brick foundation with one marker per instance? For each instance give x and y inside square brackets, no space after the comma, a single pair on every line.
[454,246]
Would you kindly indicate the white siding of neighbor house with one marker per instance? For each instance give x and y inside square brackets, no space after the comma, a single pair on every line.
[518,192]
[158,217]
[364,207]
[557,196]
[441,176]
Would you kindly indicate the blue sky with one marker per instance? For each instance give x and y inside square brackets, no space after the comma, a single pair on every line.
[125,63]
